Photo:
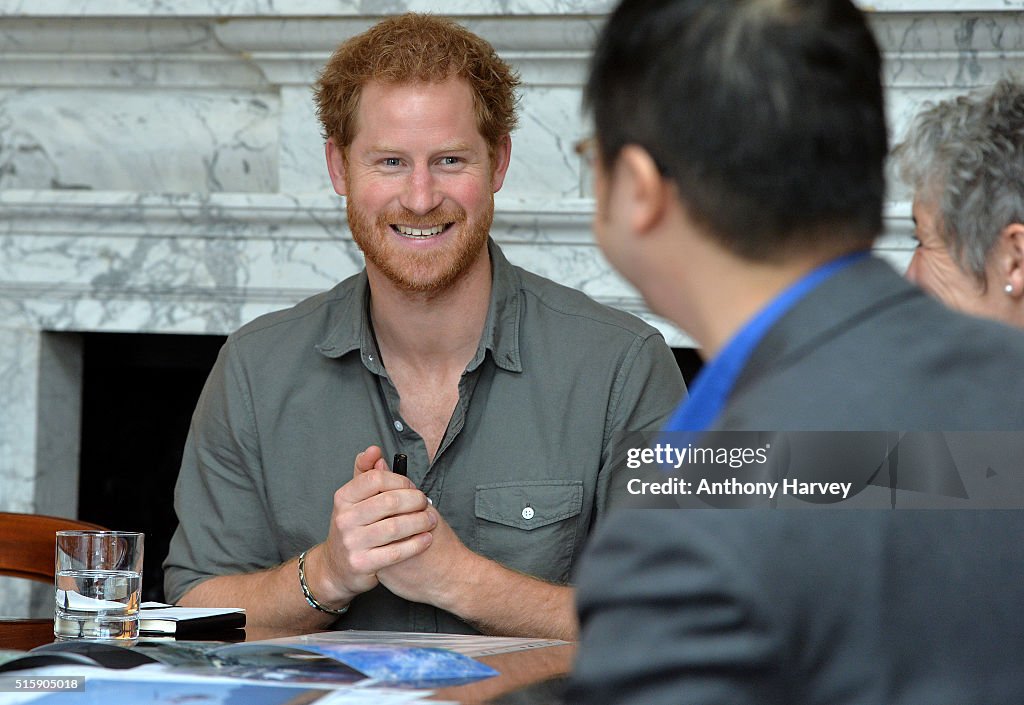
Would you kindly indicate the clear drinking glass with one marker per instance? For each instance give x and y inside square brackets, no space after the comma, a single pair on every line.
[98,585]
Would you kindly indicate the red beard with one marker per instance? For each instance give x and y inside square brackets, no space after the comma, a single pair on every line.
[432,271]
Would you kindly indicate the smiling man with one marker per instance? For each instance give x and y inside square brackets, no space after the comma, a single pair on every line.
[506,391]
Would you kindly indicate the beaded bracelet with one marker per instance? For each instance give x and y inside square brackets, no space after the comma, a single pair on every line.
[309,596]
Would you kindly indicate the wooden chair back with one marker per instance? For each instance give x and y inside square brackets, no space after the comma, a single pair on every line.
[28,544]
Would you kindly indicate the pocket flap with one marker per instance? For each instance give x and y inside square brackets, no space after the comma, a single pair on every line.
[529,504]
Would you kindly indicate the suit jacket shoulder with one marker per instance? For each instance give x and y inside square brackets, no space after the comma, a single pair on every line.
[765,607]
[868,351]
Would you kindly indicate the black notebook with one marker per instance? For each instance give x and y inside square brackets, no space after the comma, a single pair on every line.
[158,619]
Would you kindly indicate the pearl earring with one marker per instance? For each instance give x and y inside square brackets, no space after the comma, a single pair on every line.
[1008,288]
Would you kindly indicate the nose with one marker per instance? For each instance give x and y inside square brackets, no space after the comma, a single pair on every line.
[421,194]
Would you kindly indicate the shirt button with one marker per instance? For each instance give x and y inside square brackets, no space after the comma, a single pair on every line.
[399,427]
[528,513]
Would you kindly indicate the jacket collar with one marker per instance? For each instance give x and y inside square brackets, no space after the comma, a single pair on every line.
[856,292]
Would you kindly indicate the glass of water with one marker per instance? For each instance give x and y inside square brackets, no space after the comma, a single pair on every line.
[98,585]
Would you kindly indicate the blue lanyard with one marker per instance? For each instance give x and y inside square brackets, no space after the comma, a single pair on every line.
[714,383]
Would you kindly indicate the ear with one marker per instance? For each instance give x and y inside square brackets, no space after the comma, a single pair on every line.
[648,193]
[336,166]
[502,157]
[1011,258]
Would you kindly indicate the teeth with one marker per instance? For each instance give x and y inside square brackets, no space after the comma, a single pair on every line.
[417,232]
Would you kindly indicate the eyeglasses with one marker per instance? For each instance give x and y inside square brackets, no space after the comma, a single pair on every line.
[587,149]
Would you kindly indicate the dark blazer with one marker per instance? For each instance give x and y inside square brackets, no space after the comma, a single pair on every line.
[832,607]
[790,607]
[868,351]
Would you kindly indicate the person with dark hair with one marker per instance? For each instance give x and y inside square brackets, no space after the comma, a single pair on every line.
[964,159]
[504,391]
[739,154]
[740,150]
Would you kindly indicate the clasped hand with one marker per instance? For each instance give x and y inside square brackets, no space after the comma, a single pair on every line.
[382,529]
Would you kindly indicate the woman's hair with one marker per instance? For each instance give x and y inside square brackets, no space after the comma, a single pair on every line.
[966,156]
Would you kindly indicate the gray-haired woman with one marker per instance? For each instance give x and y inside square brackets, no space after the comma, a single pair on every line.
[964,158]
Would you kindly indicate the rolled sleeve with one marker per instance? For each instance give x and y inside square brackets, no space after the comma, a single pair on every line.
[647,389]
[219,487]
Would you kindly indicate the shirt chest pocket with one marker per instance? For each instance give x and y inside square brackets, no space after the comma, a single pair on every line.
[530,526]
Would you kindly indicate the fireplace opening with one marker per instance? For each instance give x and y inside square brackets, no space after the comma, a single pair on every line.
[138,395]
[689,362]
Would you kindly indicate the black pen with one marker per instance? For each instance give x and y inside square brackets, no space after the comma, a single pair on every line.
[401,464]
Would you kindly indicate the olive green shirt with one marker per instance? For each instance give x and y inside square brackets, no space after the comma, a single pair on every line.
[522,471]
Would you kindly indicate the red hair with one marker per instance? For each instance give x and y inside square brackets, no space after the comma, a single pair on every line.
[416,48]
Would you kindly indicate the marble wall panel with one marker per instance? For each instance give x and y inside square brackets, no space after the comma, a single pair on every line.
[59,402]
[65,39]
[18,378]
[119,52]
[180,268]
[302,167]
[544,165]
[930,57]
[19,365]
[272,8]
[40,398]
[125,140]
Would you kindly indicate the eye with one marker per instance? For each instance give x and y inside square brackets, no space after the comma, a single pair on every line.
[392,161]
[450,161]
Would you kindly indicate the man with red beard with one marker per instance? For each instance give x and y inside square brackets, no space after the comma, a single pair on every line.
[506,391]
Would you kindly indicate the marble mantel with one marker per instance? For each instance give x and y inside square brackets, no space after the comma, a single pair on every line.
[161,171]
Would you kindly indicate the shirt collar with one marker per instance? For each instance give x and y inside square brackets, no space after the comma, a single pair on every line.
[350,328]
[501,331]
[349,324]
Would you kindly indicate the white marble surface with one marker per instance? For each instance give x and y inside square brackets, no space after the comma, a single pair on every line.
[939,6]
[19,360]
[58,423]
[188,263]
[274,8]
[328,8]
[115,140]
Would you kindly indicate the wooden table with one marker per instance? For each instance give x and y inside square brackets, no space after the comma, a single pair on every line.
[25,634]
[517,669]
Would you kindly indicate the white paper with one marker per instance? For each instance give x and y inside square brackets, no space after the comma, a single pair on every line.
[72,600]
[179,613]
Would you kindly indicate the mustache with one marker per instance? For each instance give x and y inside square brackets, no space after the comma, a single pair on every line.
[441,216]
